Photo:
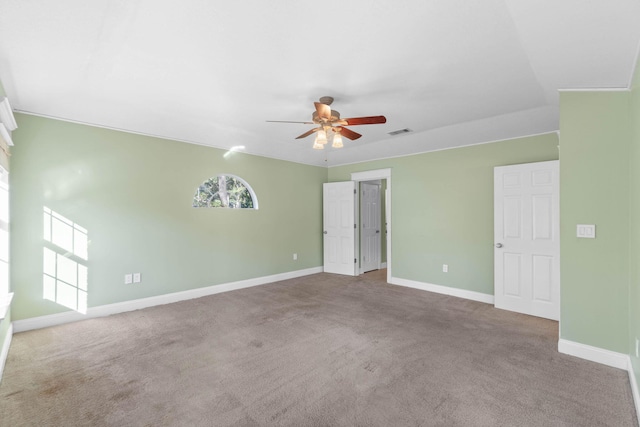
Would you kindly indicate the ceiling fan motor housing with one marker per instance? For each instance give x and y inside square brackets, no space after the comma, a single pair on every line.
[335,116]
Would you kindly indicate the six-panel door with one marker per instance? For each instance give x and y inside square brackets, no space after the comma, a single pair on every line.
[339,227]
[526,239]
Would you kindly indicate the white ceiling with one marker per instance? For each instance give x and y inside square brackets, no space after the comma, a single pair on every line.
[456,72]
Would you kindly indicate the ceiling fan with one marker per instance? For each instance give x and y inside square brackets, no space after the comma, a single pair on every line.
[331,123]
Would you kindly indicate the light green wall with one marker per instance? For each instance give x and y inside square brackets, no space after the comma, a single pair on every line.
[123,188]
[594,189]
[133,193]
[442,208]
[634,221]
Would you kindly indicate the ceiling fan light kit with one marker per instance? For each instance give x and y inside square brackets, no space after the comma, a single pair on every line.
[337,141]
[331,123]
[321,137]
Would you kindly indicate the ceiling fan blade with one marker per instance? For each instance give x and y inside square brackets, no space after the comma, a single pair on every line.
[371,120]
[289,121]
[306,134]
[348,133]
[324,111]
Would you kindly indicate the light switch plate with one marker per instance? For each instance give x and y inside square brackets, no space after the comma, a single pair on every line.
[586,231]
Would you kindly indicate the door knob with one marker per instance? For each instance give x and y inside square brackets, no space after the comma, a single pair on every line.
[498,245]
[325,232]
[377,231]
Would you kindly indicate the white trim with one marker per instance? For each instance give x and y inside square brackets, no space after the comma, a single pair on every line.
[5,303]
[137,304]
[371,175]
[446,290]
[594,354]
[4,353]
[531,135]
[6,115]
[634,387]
[383,265]
[604,357]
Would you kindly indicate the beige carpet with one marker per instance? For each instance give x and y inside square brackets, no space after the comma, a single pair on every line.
[323,350]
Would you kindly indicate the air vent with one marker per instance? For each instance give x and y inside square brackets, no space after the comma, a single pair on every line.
[400,131]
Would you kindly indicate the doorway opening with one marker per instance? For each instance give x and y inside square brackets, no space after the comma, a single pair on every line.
[372,225]
[373,220]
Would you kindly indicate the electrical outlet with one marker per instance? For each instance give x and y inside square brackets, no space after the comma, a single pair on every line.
[136,277]
[295,257]
[128,279]
[445,268]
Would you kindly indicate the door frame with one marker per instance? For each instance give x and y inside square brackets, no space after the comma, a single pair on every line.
[373,175]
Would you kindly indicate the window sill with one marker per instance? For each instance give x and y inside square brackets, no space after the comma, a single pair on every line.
[5,302]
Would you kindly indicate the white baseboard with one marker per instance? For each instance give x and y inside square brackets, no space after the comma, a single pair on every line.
[4,353]
[594,354]
[137,304]
[446,290]
[634,387]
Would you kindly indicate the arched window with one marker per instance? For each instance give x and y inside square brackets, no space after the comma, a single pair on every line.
[225,191]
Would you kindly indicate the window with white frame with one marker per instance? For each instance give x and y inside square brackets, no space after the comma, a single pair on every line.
[225,191]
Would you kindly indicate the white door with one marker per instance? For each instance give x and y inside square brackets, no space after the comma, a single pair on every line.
[526,239]
[370,229]
[339,227]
